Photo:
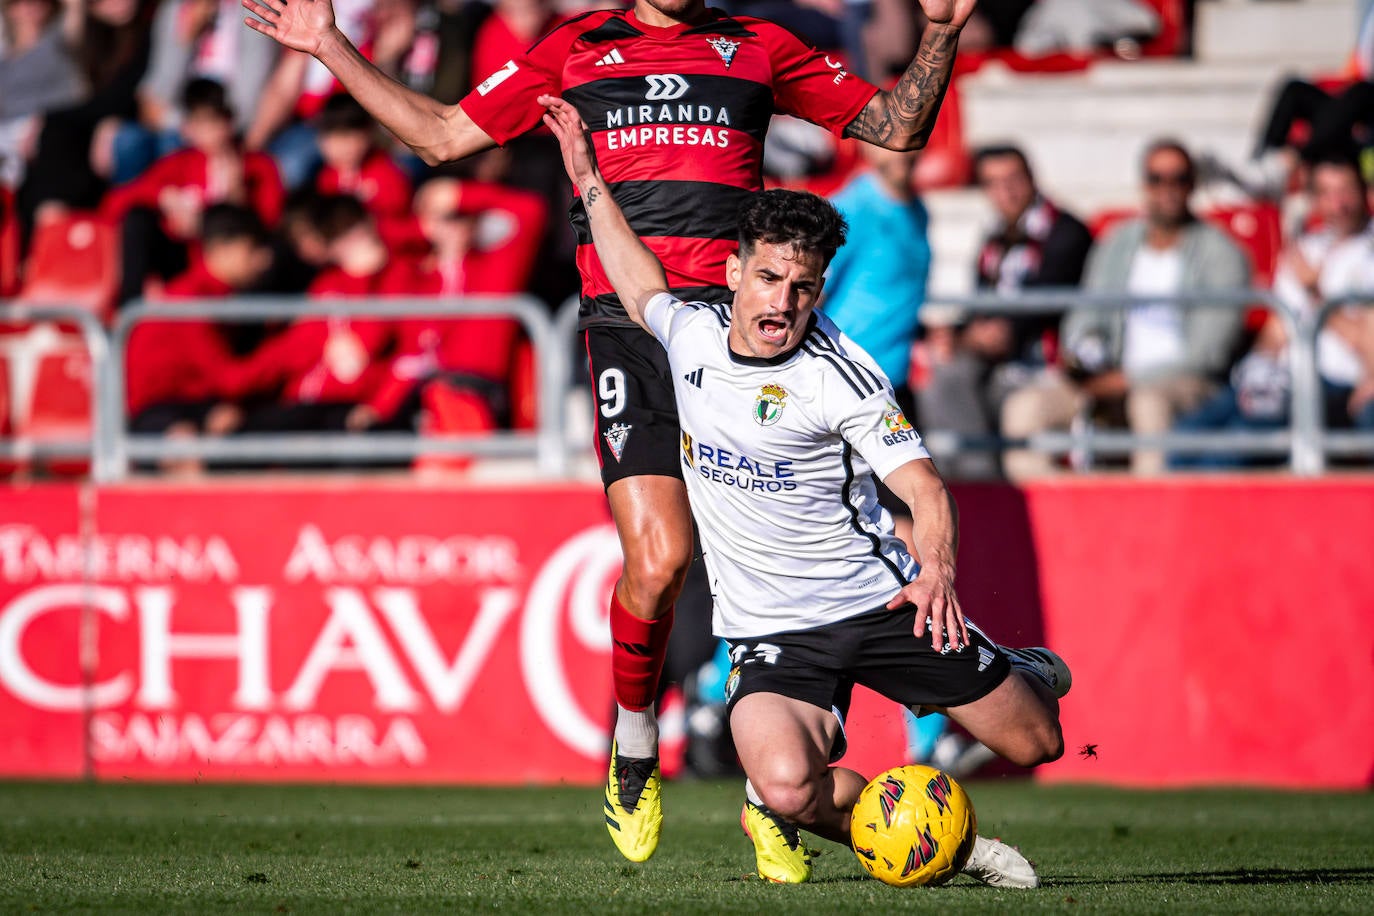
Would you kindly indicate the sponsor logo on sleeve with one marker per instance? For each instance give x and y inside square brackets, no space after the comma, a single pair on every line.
[500,76]
[898,427]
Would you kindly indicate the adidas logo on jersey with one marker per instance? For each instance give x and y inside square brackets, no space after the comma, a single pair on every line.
[694,378]
[611,58]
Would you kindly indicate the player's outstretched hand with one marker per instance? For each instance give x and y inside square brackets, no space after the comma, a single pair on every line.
[567,125]
[299,24]
[948,12]
[937,608]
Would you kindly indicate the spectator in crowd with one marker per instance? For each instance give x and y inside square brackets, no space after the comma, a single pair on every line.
[192,39]
[484,239]
[976,360]
[963,387]
[320,373]
[1335,119]
[38,73]
[180,373]
[355,163]
[511,28]
[1154,361]
[300,85]
[1332,260]
[73,160]
[160,211]
[877,280]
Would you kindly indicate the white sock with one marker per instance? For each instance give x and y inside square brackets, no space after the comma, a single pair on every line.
[636,733]
[751,793]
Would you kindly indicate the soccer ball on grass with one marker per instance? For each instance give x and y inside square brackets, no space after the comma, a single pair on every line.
[913,825]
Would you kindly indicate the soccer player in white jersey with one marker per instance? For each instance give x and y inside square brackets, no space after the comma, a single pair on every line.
[784,423]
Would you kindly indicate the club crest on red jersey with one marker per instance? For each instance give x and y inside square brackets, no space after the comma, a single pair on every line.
[725,48]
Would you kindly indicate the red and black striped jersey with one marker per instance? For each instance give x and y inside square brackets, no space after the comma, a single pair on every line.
[678,116]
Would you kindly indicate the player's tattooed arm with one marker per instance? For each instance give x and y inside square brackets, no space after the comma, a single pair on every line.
[903,117]
[635,273]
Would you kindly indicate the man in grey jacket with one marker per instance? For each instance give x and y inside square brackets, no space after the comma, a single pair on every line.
[1157,359]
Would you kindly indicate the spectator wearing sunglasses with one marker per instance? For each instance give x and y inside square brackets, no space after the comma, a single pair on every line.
[1145,365]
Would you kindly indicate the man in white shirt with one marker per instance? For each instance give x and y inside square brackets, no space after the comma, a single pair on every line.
[784,424]
[1153,361]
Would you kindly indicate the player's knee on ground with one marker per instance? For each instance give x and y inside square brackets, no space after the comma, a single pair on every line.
[1040,742]
[796,803]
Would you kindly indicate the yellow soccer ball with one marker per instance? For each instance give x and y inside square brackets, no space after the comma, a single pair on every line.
[913,825]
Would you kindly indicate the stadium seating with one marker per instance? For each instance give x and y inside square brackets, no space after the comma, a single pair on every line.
[74,260]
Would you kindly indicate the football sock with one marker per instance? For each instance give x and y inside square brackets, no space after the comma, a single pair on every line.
[637,651]
[752,795]
[636,733]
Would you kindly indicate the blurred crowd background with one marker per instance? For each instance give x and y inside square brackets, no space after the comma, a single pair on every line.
[160,150]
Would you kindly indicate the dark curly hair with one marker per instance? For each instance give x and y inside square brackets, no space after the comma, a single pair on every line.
[796,218]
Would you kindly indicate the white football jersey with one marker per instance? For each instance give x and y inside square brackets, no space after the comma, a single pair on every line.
[779,457]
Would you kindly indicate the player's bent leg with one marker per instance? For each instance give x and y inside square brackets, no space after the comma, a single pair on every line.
[784,747]
[654,523]
[1016,720]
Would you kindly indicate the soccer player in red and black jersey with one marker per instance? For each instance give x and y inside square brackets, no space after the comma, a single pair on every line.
[678,98]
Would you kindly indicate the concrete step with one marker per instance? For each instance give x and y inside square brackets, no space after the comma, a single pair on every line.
[1297,36]
[1084,132]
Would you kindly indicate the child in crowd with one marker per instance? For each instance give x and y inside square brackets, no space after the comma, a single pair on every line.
[354,163]
[160,211]
[181,374]
[321,372]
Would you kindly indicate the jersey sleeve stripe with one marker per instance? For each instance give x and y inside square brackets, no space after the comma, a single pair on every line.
[875,545]
[828,343]
[857,382]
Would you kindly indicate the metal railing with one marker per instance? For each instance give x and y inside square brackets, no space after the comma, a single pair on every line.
[545,444]
[98,346]
[1301,443]
[112,449]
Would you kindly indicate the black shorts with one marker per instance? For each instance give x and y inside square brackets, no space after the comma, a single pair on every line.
[636,417]
[878,650]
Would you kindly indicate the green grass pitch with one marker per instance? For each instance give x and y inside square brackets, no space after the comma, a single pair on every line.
[272,849]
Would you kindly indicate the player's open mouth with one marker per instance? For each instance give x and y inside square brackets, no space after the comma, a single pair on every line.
[773,330]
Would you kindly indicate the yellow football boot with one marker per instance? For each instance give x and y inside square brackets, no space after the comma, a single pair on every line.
[634,811]
[780,854]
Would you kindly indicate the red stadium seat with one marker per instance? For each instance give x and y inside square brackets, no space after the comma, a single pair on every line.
[60,406]
[1172,37]
[455,411]
[1259,231]
[1104,221]
[74,260]
[5,420]
[9,244]
[524,387]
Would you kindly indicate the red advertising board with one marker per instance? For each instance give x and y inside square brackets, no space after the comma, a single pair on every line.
[1219,631]
[315,632]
